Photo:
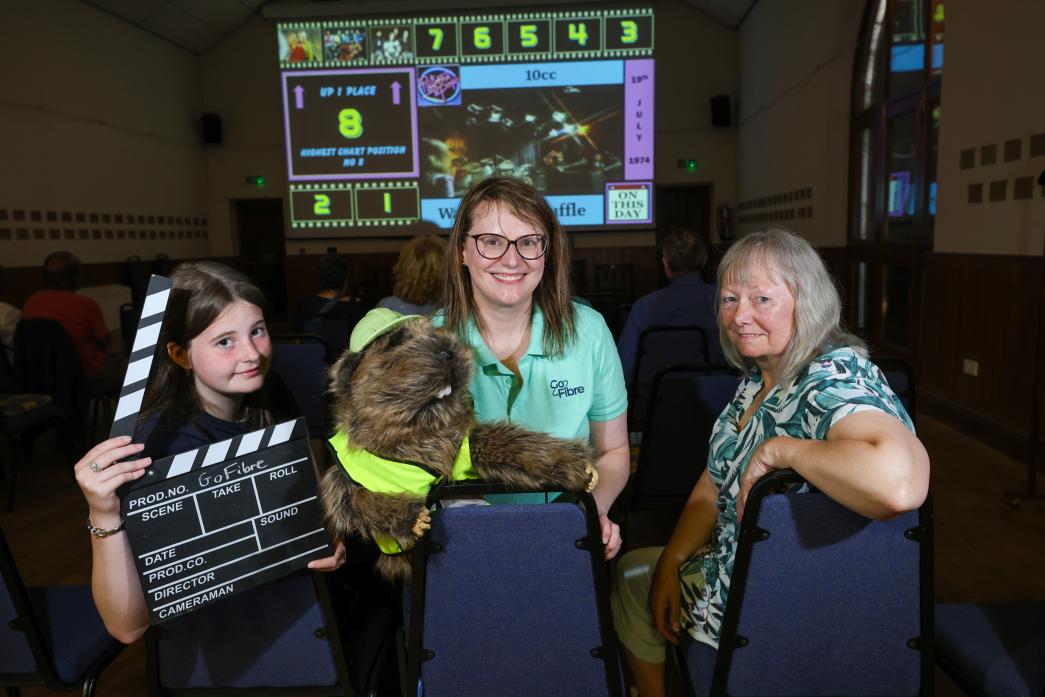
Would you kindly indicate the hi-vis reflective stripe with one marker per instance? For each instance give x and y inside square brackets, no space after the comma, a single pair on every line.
[223,451]
[139,365]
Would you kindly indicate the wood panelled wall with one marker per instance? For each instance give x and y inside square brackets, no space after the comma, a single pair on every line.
[985,308]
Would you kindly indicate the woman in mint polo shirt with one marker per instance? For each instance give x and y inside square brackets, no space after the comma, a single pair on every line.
[542,361]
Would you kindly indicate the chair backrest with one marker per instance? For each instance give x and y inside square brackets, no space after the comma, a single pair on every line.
[47,362]
[334,330]
[823,601]
[50,635]
[902,380]
[606,305]
[302,360]
[659,348]
[277,638]
[511,600]
[684,404]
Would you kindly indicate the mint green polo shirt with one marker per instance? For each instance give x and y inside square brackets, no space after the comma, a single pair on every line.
[557,395]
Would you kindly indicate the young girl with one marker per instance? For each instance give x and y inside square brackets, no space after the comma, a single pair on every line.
[209,384]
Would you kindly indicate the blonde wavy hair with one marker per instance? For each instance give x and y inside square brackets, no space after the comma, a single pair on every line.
[419,271]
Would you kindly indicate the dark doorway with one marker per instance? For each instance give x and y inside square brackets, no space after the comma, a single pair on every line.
[259,231]
[686,205]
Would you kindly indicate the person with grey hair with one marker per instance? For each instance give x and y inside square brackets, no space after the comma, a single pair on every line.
[810,400]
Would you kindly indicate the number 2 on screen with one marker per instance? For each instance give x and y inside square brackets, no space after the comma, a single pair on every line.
[350,123]
[322,205]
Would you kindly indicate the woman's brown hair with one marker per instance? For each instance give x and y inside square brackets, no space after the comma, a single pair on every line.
[553,294]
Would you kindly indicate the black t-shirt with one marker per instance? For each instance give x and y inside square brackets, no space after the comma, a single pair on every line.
[348,310]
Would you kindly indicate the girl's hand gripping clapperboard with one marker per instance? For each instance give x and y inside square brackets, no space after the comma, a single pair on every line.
[214,521]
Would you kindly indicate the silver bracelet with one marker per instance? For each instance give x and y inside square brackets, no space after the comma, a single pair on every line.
[102,532]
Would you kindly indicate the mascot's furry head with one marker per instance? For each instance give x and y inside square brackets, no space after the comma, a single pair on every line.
[404,423]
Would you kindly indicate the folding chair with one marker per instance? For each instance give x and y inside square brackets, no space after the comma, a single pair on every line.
[280,638]
[510,600]
[333,329]
[302,361]
[684,404]
[993,649]
[50,635]
[824,601]
[660,348]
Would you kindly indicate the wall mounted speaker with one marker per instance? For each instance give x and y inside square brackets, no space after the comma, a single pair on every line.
[721,111]
[210,128]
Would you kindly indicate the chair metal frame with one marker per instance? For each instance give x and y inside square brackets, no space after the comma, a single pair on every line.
[750,534]
[331,632]
[416,654]
[25,621]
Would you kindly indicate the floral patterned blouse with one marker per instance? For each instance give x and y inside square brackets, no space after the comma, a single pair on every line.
[835,384]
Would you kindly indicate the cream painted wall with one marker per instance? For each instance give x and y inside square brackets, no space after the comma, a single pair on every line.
[96,116]
[991,93]
[796,64]
[696,59]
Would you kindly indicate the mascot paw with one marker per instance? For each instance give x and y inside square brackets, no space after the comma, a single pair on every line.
[424,522]
[594,474]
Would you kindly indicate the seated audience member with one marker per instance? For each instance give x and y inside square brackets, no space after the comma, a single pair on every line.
[9,315]
[333,298]
[210,383]
[811,401]
[80,316]
[686,301]
[418,277]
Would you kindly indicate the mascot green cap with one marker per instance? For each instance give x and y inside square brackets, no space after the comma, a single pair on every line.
[378,321]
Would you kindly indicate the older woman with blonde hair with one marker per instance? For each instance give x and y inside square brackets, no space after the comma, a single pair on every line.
[810,400]
[418,277]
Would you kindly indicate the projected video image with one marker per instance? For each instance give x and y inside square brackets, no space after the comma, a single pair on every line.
[562,140]
[388,122]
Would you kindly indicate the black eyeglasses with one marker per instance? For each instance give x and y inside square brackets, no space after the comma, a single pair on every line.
[492,246]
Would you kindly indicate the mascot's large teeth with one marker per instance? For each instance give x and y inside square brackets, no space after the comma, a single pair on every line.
[445,392]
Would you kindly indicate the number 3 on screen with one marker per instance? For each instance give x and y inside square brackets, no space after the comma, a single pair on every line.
[350,123]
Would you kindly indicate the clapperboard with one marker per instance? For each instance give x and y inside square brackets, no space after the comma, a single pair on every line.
[217,520]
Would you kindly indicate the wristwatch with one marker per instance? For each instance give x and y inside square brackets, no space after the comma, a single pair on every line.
[103,532]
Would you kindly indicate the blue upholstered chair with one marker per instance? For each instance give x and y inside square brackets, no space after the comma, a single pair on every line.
[684,404]
[824,601]
[280,638]
[660,348]
[993,649]
[510,600]
[50,635]
[302,361]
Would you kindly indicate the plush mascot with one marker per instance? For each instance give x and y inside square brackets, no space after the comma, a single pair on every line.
[404,424]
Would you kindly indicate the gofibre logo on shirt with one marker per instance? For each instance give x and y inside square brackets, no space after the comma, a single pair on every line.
[561,388]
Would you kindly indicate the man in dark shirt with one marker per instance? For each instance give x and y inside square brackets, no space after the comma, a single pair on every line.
[686,301]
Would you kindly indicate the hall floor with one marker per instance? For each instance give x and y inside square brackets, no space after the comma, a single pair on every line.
[985,550]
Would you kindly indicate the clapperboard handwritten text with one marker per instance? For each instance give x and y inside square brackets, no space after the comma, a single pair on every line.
[213,521]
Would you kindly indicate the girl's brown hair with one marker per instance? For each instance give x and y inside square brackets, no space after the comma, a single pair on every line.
[200,291]
[553,294]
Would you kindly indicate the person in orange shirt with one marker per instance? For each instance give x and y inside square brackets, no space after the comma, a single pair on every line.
[80,316]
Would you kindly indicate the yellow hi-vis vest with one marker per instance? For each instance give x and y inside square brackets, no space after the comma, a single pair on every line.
[383,476]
